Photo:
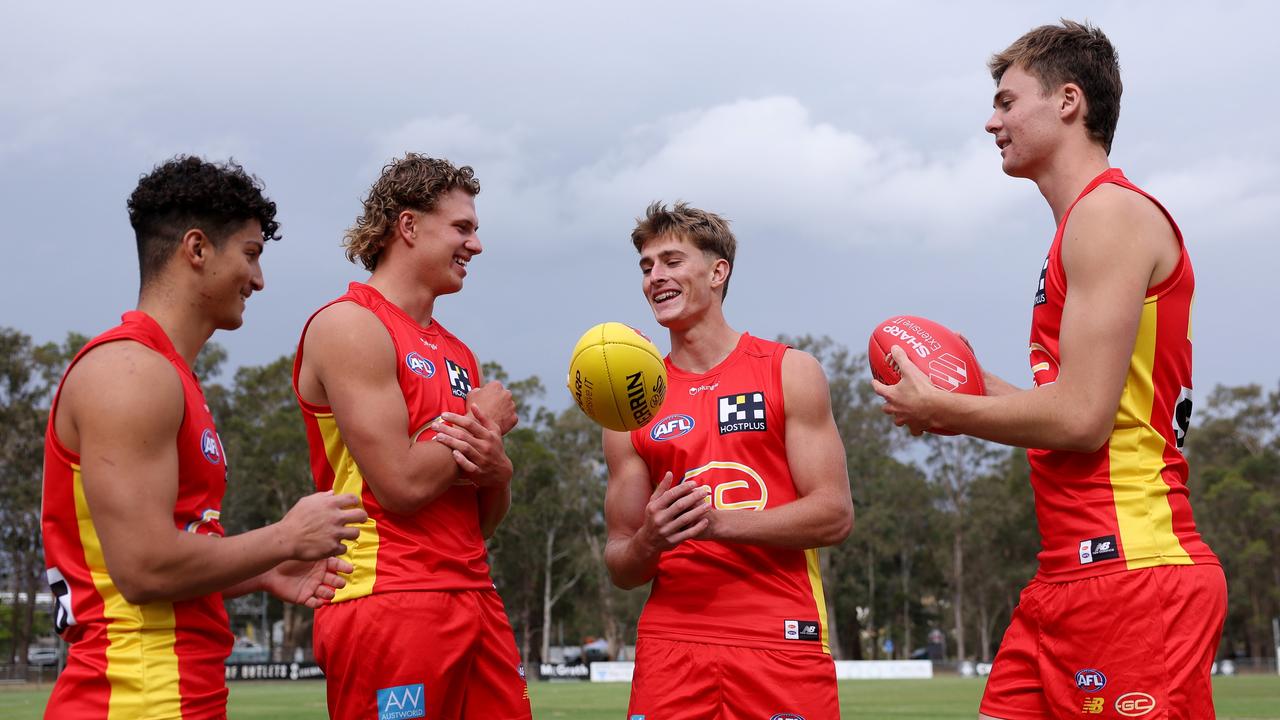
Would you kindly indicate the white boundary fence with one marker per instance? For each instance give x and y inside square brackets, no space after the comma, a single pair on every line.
[845,670]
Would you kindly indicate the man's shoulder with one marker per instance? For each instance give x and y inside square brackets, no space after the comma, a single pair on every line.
[122,361]
[344,322]
[1117,206]
[123,379]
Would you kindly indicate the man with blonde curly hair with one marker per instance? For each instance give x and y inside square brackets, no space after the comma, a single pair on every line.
[397,415]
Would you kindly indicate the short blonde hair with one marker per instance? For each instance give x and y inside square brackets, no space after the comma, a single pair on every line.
[706,230]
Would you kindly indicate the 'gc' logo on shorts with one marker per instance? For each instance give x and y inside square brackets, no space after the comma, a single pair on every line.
[1135,704]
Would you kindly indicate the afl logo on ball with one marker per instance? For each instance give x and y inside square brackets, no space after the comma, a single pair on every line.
[420,365]
[1090,680]
[210,447]
[671,427]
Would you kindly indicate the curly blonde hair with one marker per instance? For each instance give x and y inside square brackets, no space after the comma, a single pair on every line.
[413,182]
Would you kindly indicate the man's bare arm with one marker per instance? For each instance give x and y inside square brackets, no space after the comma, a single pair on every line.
[1117,245]
[643,522]
[349,353]
[124,406]
[822,513]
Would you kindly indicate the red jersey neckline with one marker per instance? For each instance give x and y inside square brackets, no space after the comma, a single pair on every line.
[676,371]
[164,344]
[433,328]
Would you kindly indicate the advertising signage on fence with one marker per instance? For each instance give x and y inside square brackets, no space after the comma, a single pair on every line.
[560,671]
[273,671]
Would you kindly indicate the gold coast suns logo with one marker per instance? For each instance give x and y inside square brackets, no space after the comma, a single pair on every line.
[734,486]
[1044,366]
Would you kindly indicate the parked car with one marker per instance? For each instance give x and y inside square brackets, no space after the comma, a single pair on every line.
[42,656]
[248,651]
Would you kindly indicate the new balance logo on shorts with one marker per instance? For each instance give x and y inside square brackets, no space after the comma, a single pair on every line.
[401,702]
[459,378]
[1099,548]
[743,412]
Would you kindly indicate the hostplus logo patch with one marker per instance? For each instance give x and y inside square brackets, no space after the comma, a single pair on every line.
[402,702]
[1041,298]
[420,365]
[459,378]
[741,413]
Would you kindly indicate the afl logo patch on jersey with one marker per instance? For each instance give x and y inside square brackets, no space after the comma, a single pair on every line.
[210,447]
[671,427]
[420,365]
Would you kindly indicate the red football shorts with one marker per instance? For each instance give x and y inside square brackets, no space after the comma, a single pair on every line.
[1132,644]
[438,655]
[696,681]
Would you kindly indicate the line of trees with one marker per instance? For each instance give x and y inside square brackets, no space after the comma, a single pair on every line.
[944,539]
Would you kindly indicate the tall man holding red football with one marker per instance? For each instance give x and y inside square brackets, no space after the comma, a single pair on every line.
[1124,616]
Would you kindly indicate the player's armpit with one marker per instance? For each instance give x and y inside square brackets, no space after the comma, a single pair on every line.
[352,357]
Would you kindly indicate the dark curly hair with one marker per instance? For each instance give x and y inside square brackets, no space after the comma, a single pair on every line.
[189,192]
[413,182]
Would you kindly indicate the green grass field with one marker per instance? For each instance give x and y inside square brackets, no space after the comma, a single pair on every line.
[1246,697]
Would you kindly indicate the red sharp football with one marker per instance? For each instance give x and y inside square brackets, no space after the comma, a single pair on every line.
[937,351]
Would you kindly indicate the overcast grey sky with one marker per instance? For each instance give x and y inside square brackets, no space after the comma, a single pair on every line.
[843,140]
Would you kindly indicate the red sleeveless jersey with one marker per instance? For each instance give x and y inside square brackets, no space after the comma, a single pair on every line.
[440,547]
[725,429]
[162,659]
[1125,506]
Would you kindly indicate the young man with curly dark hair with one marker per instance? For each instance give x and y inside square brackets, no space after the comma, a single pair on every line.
[397,414]
[135,472]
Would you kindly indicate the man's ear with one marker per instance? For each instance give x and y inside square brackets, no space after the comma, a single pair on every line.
[195,247]
[1071,103]
[407,227]
[720,271]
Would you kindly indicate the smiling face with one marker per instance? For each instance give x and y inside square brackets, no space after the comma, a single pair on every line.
[232,272]
[445,240]
[1026,123]
[681,282]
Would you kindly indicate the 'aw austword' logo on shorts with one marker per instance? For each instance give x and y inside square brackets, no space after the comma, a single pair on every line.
[402,702]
